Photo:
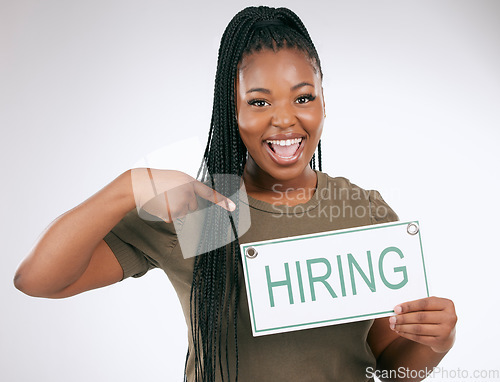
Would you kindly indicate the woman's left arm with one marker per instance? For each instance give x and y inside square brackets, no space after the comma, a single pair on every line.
[411,343]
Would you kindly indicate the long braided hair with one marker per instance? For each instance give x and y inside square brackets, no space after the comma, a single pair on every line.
[215,287]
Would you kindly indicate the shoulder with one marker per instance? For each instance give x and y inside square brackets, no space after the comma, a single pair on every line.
[340,182]
[341,190]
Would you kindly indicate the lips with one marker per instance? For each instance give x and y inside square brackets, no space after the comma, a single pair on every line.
[285,149]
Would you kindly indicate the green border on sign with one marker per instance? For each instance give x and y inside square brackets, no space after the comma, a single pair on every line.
[322,234]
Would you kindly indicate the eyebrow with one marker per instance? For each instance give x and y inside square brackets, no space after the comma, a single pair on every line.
[267,91]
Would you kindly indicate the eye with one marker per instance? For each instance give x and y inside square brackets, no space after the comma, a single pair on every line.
[305,98]
[258,102]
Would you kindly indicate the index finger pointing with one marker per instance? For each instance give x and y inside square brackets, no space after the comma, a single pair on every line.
[209,194]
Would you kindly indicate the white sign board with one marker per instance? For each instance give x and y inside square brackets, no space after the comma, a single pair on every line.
[333,277]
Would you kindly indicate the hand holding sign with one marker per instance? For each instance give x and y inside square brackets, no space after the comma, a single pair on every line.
[429,321]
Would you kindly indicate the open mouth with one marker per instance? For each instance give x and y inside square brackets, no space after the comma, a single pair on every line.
[285,148]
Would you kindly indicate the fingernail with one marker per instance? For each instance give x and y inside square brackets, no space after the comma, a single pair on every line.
[392,320]
[227,204]
[398,309]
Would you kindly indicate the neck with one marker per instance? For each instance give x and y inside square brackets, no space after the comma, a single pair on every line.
[262,186]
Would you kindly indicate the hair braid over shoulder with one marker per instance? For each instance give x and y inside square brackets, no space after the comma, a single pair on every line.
[216,274]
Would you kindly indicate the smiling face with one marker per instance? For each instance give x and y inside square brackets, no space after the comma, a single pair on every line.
[280,111]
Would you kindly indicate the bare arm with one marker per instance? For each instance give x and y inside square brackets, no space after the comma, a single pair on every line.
[71,256]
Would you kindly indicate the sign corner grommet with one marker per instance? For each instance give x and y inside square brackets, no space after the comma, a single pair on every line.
[412,228]
[251,252]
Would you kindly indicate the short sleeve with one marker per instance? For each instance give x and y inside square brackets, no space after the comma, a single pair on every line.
[132,261]
[380,212]
[140,245]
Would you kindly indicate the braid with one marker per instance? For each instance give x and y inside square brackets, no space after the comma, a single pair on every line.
[216,273]
[319,156]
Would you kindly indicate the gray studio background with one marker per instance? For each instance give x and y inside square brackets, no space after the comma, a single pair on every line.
[87,88]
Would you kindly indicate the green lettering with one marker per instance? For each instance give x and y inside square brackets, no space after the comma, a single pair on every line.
[341,275]
[321,279]
[301,286]
[352,262]
[272,284]
[396,269]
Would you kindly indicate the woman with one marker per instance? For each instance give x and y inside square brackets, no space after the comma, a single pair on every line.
[267,120]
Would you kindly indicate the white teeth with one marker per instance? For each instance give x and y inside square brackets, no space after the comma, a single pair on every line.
[283,142]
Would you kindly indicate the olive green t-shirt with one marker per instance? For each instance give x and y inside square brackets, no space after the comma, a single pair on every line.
[332,353]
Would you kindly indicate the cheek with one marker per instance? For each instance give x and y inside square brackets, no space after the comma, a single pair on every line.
[243,136]
[247,133]
[251,125]
[312,122]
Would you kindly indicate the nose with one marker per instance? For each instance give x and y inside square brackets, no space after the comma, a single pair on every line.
[283,116]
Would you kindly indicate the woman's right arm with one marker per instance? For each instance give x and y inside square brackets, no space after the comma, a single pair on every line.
[71,256]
